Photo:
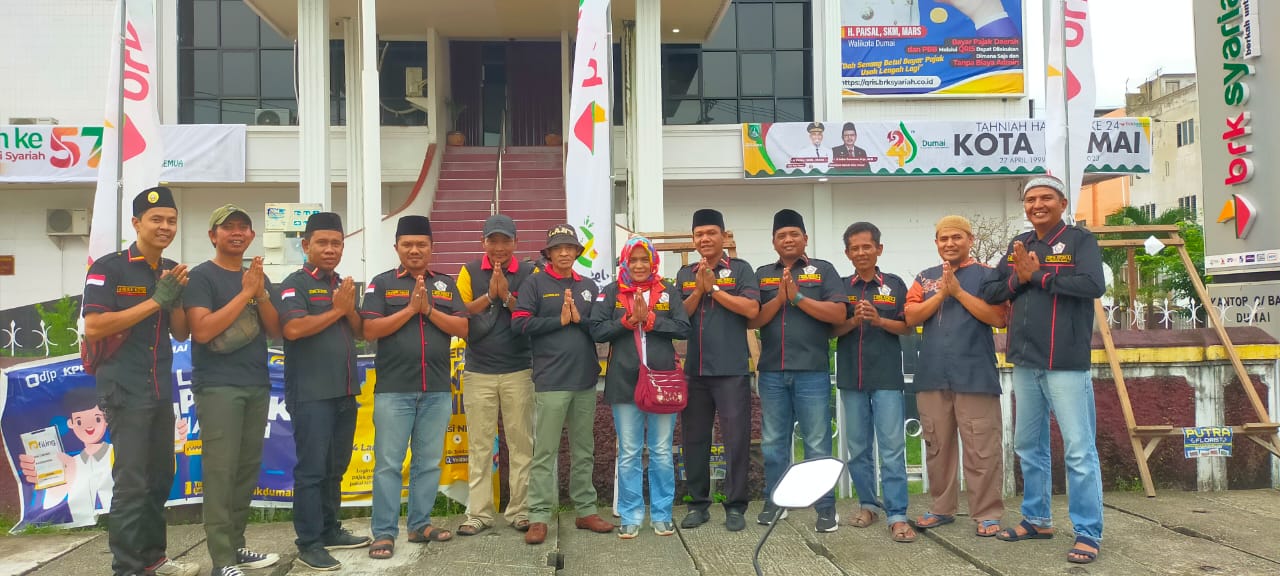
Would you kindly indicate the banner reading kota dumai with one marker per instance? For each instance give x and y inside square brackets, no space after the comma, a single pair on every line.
[921,148]
[941,47]
[60,452]
[62,154]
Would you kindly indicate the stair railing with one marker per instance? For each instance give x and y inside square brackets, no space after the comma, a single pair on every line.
[495,205]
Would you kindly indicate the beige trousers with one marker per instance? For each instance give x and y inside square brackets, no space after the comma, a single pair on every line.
[486,395]
[977,418]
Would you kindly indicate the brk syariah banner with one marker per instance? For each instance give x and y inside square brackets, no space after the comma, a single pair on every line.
[922,148]
[931,47]
[60,452]
[66,154]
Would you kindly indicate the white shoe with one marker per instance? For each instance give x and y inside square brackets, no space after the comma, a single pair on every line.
[175,568]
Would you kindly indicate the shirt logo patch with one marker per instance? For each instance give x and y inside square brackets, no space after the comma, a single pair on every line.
[771,282]
[885,290]
[663,306]
[1059,247]
[586,295]
[689,286]
[884,299]
[287,293]
[616,304]
[809,279]
[725,272]
[600,298]
[371,289]
[552,295]
[318,291]
[853,298]
[396,294]
[95,280]
[442,295]
[439,285]
[664,298]
[131,290]
[810,269]
[730,282]
[1058,259]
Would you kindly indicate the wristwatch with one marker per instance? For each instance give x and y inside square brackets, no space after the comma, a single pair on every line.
[715,287]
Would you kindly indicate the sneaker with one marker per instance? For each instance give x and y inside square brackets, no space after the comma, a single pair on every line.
[828,521]
[318,558]
[766,516]
[628,531]
[345,540]
[168,567]
[663,528]
[695,518]
[227,571]
[734,521]
[247,559]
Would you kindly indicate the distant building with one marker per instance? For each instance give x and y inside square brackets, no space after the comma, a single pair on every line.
[1175,180]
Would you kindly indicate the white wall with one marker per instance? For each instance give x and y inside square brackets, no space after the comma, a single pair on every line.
[45,268]
[66,38]
[271,153]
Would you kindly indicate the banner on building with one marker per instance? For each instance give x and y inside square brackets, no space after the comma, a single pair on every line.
[934,47]
[69,154]
[60,451]
[589,165]
[921,148]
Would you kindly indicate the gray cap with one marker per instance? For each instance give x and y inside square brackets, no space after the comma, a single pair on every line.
[500,224]
[1045,181]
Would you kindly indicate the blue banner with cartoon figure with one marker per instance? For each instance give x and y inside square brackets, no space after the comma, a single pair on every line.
[939,47]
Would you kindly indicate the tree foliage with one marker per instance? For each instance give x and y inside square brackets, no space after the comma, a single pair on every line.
[1162,275]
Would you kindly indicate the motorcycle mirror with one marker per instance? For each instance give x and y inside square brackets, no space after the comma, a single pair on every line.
[805,482]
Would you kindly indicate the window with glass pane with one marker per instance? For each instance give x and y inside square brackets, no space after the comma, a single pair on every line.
[234,68]
[755,67]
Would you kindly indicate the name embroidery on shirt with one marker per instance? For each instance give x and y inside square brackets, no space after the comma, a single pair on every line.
[131,290]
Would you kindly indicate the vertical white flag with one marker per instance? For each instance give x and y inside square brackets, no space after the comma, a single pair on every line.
[588,168]
[1070,94]
[143,151]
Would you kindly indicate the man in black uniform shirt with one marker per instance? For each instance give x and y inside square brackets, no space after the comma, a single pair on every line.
[132,304]
[720,294]
[412,312]
[551,310]
[231,314]
[498,374]
[320,324]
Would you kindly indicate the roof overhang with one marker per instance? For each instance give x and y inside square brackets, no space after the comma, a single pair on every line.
[695,20]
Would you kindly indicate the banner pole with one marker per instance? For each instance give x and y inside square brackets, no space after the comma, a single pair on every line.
[613,218]
[1073,188]
[124,11]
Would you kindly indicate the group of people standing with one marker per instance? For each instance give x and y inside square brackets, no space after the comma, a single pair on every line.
[531,330]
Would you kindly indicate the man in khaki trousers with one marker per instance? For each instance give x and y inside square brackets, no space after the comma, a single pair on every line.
[956,384]
[497,376]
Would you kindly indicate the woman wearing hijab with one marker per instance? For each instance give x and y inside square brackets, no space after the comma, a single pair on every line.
[640,302]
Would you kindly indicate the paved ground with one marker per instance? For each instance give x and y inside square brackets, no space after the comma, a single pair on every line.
[1177,533]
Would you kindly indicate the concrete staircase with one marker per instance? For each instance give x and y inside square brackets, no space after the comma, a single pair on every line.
[532,195]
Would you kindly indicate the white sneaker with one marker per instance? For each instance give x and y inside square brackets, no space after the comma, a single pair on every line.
[175,568]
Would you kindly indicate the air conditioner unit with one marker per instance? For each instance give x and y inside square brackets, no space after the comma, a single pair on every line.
[29,120]
[62,222]
[271,117]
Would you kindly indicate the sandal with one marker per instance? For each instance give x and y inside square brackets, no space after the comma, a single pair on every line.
[1029,532]
[902,532]
[430,533]
[931,520]
[471,528]
[1079,555]
[864,518]
[988,528]
[382,549]
[521,525]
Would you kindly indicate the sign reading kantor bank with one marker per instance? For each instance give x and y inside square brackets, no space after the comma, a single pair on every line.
[62,154]
[915,148]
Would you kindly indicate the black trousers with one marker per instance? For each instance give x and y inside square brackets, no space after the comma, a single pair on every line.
[731,397]
[323,431]
[142,430]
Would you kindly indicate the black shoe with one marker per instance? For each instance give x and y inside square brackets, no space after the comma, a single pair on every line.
[695,518]
[734,521]
[318,559]
[828,521]
[767,515]
[344,540]
[247,559]
[227,571]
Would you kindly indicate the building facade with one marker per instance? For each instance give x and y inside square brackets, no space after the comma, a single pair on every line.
[1175,178]
[348,105]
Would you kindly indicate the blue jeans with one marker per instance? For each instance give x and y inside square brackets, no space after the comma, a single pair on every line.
[1069,395]
[878,415]
[801,401]
[399,420]
[631,425]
